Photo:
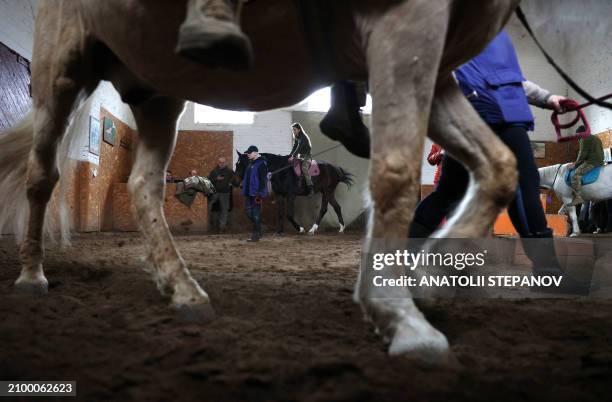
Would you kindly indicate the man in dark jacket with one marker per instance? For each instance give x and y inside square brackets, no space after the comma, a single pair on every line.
[255,188]
[302,149]
[220,177]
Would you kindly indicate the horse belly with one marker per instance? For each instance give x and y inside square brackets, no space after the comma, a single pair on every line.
[474,23]
[143,34]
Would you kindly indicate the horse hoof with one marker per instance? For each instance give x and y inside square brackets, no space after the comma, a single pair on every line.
[302,230]
[200,313]
[313,229]
[341,229]
[573,235]
[32,287]
[429,346]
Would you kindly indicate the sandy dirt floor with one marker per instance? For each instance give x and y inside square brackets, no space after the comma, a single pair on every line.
[286,330]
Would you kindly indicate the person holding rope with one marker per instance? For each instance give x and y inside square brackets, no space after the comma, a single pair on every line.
[494,84]
[255,189]
[590,156]
[302,149]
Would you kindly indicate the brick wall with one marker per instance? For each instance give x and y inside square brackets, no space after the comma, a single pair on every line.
[200,150]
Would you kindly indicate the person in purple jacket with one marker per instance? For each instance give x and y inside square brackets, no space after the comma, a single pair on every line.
[255,189]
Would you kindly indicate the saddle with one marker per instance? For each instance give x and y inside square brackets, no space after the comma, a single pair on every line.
[313,169]
[590,177]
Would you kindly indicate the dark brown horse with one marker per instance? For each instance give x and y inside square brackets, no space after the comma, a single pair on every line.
[287,185]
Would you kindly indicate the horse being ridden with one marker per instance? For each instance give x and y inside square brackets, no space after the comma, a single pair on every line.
[287,185]
[553,177]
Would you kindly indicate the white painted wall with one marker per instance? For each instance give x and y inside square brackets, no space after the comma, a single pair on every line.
[270,131]
[536,69]
[17,25]
[592,70]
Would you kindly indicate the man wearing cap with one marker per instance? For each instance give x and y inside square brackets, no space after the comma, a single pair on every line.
[255,188]
[589,157]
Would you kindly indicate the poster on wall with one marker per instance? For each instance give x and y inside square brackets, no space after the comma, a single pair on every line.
[539,149]
[110,131]
[94,135]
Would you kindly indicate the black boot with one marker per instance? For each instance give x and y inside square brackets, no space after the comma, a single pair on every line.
[544,261]
[211,35]
[418,230]
[257,230]
[343,121]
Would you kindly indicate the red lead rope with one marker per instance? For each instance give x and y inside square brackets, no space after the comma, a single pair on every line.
[571,105]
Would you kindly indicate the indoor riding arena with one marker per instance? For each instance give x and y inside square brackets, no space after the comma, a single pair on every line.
[305,200]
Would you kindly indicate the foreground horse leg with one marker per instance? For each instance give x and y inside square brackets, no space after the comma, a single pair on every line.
[404,51]
[50,120]
[322,212]
[57,79]
[156,119]
[456,126]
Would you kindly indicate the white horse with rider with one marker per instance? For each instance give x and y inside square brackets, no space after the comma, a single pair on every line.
[554,177]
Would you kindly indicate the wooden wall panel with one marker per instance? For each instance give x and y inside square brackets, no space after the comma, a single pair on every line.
[15,98]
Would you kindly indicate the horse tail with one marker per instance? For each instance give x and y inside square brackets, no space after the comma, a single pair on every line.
[346,177]
[15,145]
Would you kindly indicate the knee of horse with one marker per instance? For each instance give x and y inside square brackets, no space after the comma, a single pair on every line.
[394,181]
[144,191]
[40,183]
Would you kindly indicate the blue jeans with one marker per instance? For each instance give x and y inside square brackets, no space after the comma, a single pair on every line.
[253,211]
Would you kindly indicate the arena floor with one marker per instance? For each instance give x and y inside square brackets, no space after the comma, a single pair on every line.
[286,330]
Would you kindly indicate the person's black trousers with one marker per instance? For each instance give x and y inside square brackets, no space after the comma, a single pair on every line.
[253,211]
[525,210]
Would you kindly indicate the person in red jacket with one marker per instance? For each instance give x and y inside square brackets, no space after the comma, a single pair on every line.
[436,154]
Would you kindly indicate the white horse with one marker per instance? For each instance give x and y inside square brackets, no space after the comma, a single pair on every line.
[553,177]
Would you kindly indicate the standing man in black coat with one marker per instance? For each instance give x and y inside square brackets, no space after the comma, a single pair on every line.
[221,177]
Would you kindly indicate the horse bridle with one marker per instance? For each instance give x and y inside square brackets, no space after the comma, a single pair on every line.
[552,186]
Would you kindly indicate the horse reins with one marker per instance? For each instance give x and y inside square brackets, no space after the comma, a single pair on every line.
[551,61]
[552,186]
[317,154]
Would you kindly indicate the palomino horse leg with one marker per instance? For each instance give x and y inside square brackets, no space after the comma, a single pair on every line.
[404,50]
[338,211]
[50,120]
[56,84]
[322,212]
[156,119]
[455,125]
